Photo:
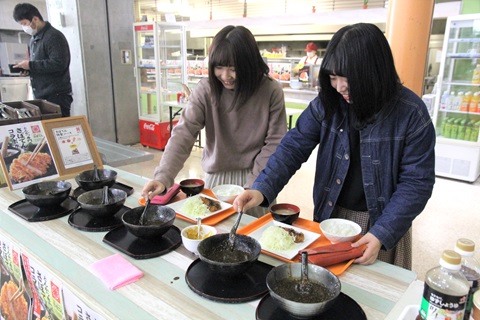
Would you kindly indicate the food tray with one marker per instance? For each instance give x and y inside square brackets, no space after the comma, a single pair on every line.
[313,226]
[211,220]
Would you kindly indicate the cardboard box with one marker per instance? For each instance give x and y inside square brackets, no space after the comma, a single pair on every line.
[48,110]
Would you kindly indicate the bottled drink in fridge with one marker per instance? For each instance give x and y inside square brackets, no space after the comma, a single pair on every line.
[445,290]
[470,269]
[476,75]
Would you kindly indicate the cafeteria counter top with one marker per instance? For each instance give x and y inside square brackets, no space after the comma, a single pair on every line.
[163,292]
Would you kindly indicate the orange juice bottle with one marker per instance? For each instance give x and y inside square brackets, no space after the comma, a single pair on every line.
[473,105]
[466,101]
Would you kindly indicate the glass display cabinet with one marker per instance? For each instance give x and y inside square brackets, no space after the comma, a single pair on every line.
[160,70]
[457,110]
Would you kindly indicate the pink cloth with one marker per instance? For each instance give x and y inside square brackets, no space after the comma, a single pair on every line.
[115,271]
[164,199]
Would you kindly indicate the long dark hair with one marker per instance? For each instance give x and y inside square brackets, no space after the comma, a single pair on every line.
[26,11]
[361,53]
[236,47]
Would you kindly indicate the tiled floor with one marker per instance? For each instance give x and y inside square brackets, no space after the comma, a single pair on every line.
[452,212]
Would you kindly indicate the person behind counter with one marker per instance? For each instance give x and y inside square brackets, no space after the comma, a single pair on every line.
[49,61]
[375,161]
[311,57]
[242,111]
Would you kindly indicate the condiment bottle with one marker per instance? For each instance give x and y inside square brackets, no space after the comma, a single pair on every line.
[470,269]
[446,289]
[476,75]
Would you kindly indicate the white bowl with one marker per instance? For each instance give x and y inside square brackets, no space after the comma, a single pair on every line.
[227,192]
[340,230]
[192,244]
[295,84]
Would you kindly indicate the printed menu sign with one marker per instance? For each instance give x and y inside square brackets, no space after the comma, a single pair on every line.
[72,146]
[44,150]
[26,155]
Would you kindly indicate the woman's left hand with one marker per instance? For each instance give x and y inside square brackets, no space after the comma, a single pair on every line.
[371,252]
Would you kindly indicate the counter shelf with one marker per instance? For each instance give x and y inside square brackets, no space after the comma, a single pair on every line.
[163,291]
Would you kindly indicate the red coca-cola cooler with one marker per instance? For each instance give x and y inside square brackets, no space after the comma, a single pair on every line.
[155,134]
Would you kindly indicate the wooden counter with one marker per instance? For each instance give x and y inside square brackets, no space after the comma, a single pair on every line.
[163,293]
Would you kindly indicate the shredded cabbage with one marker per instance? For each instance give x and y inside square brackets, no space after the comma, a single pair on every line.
[195,207]
[276,239]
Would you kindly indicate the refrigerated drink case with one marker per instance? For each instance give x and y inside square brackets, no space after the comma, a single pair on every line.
[456,116]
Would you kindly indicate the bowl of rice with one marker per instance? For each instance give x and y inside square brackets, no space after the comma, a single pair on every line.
[227,192]
[340,230]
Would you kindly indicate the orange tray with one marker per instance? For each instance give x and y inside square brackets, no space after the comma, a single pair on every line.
[211,220]
[309,225]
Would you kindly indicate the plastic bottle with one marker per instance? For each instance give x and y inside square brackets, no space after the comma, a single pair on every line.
[476,75]
[443,100]
[445,290]
[447,133]
[455,125]
[475,131]
[468,130]
[473,105]
[466,101]
[457,102]
[461,129]
[475,315]
[450,100]
[470,269]
[442,127]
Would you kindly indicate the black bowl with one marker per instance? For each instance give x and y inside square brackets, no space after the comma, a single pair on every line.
[86,181]
[217,252]
[47,193]
[192,187]
[93,201]
[159,219]
[285,212]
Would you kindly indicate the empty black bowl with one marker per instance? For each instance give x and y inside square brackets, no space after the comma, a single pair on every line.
[192,187]
[93,201]
[158,218]
[86,179]
[47,193]
[217,252]
[285,212]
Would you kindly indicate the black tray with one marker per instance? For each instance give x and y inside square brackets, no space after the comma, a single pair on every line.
[121,239]
[249,286]
[117,185]
[344,308]
[31,213]
[83,220]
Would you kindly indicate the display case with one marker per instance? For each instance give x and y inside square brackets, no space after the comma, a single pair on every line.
[160,70]
[457,110]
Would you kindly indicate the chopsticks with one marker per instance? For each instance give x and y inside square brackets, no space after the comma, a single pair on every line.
[5,146]
[39,147]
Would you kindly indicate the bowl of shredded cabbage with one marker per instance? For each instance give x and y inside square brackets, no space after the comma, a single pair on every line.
[340,230]
[227,192]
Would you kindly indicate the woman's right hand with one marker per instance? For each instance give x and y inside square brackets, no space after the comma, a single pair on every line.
[152,188]
[247,200]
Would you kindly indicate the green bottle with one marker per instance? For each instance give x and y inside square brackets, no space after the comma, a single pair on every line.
[448,128]
[455,125]
[461,130]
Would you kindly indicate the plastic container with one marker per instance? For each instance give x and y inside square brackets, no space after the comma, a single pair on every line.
[470,269]
[476,75]
[473,105]
[450,101]
[445,290]
[457,102]
[466,101]
[475,315]
[443,100]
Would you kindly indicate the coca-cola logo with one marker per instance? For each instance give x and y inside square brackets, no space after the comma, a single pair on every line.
[148,126]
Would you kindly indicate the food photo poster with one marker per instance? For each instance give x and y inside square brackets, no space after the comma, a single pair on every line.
[26,156]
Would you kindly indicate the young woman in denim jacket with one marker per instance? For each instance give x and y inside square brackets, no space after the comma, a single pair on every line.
[375,161]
